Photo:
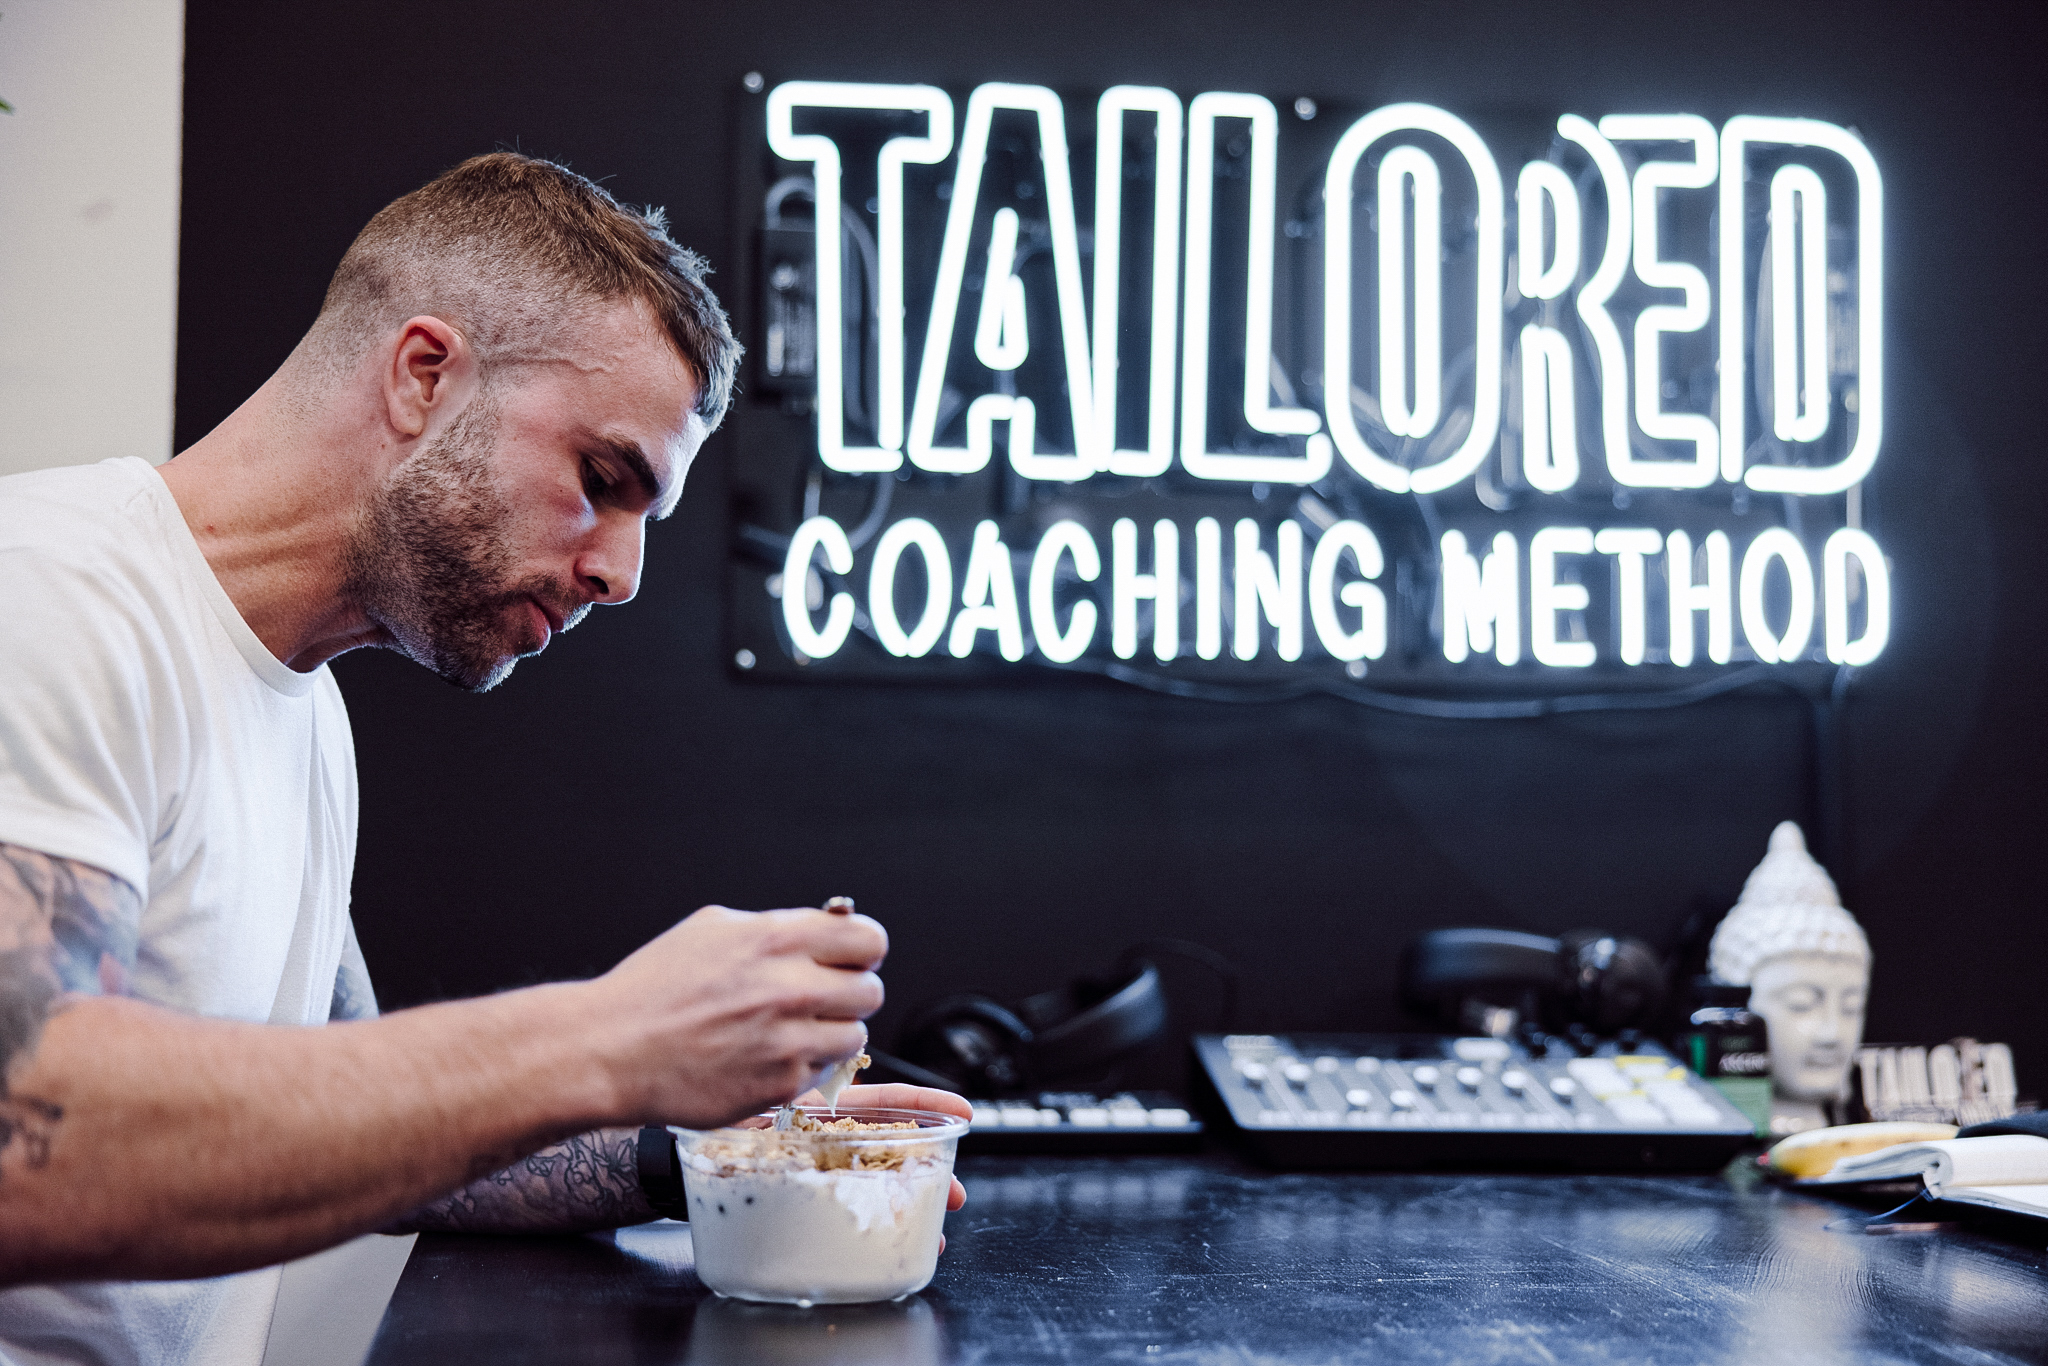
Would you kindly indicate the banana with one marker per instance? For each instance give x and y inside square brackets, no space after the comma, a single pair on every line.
[1815,1152]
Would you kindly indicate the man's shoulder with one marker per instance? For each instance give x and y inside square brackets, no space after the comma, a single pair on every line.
[54,508]
[78,484]
[81,645]
[83,559]
[79,525]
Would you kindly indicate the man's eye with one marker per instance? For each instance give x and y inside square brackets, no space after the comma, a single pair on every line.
[595,482]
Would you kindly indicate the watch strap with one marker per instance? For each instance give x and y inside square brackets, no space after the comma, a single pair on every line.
[661,1172]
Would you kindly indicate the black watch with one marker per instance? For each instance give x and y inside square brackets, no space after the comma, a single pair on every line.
[661,1173]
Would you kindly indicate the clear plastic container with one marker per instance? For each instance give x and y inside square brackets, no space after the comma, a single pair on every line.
[820,1215]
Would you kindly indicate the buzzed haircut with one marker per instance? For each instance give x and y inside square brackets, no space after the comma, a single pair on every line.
[516,251]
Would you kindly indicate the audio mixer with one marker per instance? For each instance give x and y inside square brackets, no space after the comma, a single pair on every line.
[1392,1100]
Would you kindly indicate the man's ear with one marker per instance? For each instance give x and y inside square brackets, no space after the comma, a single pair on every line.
[431,370]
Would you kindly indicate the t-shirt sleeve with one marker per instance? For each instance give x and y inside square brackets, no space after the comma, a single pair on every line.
[78,779]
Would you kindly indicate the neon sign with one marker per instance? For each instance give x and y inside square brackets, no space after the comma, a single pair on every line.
[1609,408]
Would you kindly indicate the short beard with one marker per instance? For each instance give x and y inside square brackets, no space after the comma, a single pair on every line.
[429,563]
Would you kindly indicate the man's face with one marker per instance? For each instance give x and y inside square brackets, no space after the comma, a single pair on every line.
[531,503]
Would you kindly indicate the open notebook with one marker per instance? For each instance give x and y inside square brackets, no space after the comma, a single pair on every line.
[2001,1171]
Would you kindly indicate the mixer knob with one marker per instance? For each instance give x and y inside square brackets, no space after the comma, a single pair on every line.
[1296,1072]
[1403,1100]
[1515,1081]
[1468,1077]
[1425,1077]
[1254,1072]
[1326,1064]
[1564,1088]
[1367,1064]
[1358,1098]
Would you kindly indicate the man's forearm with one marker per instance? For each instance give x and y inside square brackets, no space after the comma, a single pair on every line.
[586,1183]
[136,1142]
[169,1145]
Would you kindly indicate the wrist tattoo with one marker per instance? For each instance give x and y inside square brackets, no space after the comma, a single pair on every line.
[583,1184]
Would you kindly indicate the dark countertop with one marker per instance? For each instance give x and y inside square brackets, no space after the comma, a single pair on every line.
[1208,1260]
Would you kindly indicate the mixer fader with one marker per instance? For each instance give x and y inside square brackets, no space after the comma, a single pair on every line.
[1421,1100]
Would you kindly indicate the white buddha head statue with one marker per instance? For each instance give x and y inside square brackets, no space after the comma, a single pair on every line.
[1806,964]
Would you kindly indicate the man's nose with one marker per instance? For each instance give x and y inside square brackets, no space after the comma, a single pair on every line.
[609,568]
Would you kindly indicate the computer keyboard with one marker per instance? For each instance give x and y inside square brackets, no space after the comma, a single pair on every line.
[1083,1122]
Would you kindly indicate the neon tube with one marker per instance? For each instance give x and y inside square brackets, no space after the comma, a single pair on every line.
[1208,588]
[1711,595]
[1594,294]
[1778,544]
[1799,304]
[1548,597]
[1629,546]
[1550,411]
[1066,255]
[1161,586]
[1157,456]
[1002,335]
[816,534]
[1540,181]
[988,598]
[1063,538]
[1195,455]
[1337,305]
[786,143]
[938,593]
[1481,606]
[1737,136]
[1266,585]
[1655,321]
[1369,641]
[1877,597]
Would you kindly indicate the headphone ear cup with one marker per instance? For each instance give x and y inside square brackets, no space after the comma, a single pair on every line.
[1091,1022]
[1611,982]
[972,1041]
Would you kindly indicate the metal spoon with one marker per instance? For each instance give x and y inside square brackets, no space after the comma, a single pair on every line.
[841,1076]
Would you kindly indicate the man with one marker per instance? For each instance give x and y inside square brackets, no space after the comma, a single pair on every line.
[510,376]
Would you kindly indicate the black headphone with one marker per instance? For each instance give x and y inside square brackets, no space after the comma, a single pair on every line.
[984,1048]
[1588,978]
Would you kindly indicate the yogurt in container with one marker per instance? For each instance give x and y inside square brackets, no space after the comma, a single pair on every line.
[843,1206]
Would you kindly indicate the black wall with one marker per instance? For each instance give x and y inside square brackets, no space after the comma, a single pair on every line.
[1012,836]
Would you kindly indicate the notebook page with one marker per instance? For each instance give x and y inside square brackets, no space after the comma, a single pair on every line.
[2029,1200]
[2001,1160]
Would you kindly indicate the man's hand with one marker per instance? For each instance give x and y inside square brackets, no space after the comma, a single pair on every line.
[732,1012]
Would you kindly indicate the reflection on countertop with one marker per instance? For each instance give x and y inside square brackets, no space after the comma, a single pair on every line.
[903,1334]
[1208,1260]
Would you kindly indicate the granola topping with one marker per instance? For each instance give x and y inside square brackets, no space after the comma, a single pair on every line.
[808,1146]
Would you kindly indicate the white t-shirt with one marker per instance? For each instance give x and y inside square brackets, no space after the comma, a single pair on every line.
[145,730]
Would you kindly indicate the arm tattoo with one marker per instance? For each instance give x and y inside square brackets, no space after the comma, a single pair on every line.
[66,928]
[587,1183]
